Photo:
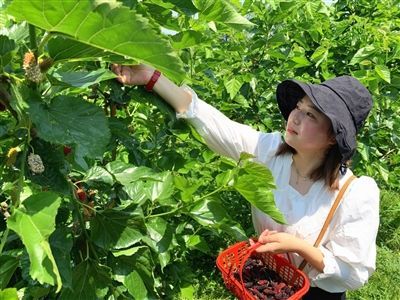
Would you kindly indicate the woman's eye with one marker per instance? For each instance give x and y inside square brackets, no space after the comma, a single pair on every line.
[310,115]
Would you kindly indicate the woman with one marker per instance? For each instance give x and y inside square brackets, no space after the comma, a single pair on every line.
[309,165]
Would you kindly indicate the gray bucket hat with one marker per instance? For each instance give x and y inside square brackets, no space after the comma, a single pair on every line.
[344,100]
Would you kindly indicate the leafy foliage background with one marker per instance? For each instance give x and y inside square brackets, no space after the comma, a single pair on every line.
[158,204]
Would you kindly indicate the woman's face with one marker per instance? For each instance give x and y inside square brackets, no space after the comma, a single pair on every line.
[308,130]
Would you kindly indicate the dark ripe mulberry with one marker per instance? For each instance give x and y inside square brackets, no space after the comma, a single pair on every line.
[264,283]
[45,64]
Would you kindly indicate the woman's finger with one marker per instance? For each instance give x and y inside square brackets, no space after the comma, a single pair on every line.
[270,247]
[271,237]
[267,233]
[116,69]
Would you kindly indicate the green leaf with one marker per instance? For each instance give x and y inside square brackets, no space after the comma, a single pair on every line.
[233,86]
[116,229]
[221,11]
[98,174]
[262,198]
[90,282]
[34,222]
[224,178]
[301,61]
[196,242]
[160,232]
[135,285]
[161,188]
[187,39]
[383,72]
[127,173]
[320,55]
[127,252]
[72,121]
[53,159]
[83,79]
[137,192]
[256,184]
[104,25]
[245,156]
[362,54]
[6,48]
[186,6]
[187,188]
[141,262]
[61,245]
[8,266]
[211,213]
[188,292]
[9,294]
[65,49]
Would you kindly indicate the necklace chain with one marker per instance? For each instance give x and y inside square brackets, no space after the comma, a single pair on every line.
[299,176]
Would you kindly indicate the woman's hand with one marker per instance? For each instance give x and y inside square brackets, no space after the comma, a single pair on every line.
[278,242]
[177,97]
[282,242]
[133,75]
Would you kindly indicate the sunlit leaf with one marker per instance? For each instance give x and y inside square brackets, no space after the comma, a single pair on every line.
[135,285]
[221,11]
[63,49]
[187,39]
[383,72]
[104,25]
[34,222]
[99,174]
[256,184]
[127,173]
[233,86]
[362,54]
[9,294]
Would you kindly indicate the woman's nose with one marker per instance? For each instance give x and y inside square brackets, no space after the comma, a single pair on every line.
[296,117]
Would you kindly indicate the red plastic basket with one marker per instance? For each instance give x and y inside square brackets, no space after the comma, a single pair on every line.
[233,259]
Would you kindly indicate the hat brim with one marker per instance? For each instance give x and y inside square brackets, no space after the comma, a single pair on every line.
[289,92]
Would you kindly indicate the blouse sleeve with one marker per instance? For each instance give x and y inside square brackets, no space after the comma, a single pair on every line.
[350,248]
[225,136]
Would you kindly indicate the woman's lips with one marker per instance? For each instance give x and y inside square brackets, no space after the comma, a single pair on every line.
[290,131]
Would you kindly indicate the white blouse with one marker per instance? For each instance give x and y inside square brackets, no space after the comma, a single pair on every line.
[348,246]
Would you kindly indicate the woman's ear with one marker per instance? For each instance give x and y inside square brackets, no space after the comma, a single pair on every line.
[332,140]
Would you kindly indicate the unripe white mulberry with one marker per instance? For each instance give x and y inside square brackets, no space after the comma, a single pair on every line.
[34,74]
[35,163]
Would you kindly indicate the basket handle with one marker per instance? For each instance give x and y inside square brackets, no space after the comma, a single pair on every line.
[244,259]
[330,216]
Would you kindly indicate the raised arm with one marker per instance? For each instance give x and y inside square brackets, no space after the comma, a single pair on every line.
[221,134]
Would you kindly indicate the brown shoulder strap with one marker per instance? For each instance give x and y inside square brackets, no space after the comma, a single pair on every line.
[330,215]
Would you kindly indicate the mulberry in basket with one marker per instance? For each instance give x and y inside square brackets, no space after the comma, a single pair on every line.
[231,261]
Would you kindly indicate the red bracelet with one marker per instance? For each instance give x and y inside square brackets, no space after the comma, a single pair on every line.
[149,86]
